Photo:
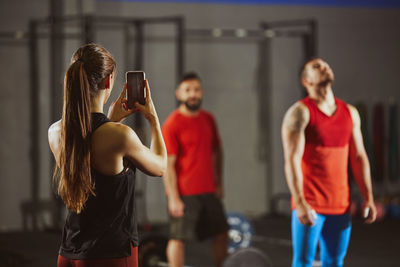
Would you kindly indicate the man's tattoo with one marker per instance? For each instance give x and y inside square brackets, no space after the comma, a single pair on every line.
[295,120]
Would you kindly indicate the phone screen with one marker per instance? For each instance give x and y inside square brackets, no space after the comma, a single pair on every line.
[135,88]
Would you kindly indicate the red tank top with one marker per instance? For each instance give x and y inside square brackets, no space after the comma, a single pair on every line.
[325,159]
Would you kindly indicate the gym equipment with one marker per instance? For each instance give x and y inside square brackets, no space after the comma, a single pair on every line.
[246,257]
[53,28]
[394,211]
[152,251]
[241,231]
[305,30]
[379,147]
[380,211]
[393,155]
[363,111]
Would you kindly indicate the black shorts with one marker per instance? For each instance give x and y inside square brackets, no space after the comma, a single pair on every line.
[204,217]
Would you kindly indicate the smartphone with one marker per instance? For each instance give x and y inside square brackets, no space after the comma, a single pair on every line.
[135,87]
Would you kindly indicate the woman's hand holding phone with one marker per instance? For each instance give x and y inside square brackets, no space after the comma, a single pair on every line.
[148,110]
[118,110]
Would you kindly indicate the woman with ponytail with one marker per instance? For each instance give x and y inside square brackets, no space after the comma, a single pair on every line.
[96,160]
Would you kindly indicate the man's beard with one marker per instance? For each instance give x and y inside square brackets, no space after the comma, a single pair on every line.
[328,80]
[325,83]
[192,106]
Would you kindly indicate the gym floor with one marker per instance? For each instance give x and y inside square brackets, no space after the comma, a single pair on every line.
[371,245]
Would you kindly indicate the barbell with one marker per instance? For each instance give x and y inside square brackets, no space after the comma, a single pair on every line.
[152,249]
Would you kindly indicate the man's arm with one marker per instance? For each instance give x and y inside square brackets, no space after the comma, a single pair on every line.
[218,165]
[218,159]
[294,124]
[360,165]
[175,204]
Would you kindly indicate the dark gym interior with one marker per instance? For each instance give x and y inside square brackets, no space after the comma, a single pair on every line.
[248,54]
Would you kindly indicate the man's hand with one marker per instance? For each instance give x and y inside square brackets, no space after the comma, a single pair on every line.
[371,215]
[176,207]
[219,191]
[305,214]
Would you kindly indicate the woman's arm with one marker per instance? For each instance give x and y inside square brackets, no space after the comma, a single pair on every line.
[153,160]
[54,133]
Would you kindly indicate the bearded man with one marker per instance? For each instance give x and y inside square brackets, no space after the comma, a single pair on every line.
[193,181]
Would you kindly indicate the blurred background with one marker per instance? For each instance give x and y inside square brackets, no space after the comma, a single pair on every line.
[248,54]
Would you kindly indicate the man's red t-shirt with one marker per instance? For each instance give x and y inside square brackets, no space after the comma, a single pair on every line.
[192,139]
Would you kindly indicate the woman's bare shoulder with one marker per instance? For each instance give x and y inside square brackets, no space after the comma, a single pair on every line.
[55,127]
[114,129]
[54,132]
[113,134]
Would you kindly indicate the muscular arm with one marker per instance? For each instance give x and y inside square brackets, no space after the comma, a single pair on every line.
[170,181]
[175,204]
[360,164]
[294,124]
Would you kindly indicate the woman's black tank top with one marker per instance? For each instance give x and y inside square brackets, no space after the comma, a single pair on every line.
[107,225]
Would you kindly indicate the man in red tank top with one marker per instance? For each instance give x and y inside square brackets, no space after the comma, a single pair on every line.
[320,134]
[194,175]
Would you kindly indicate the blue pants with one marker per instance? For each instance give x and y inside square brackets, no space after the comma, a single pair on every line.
[333,234]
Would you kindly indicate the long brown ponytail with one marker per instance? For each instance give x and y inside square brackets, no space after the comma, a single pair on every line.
[91,64]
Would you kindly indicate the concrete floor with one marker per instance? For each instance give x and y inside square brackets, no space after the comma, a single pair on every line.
[373,245]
